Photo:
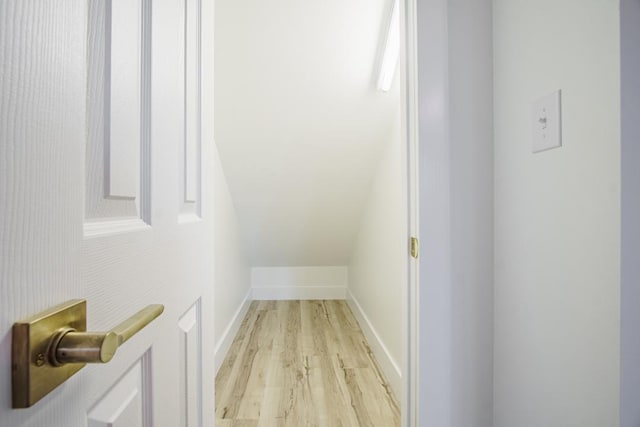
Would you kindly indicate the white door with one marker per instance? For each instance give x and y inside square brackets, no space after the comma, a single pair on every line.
[105,195]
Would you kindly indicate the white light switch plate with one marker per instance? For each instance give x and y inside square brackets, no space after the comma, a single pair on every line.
[547,125]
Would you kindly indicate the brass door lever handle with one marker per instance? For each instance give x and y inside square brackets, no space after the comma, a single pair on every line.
[70,346]
[51,346]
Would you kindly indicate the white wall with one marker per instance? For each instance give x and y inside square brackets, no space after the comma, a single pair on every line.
[232,271]
[557,216]
[378,267]
[456,213]
[287,283]
[299,122]
[630,275]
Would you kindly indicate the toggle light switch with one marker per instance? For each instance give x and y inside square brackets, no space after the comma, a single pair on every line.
[547,125]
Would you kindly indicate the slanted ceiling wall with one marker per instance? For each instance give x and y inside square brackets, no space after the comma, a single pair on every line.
[299,123]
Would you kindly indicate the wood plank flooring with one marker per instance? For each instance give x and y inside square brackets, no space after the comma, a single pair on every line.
[302,363]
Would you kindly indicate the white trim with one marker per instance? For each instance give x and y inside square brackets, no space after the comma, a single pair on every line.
[112,227]
[222,347]
[299,276]
[409,397]
[387,363]
[298,292]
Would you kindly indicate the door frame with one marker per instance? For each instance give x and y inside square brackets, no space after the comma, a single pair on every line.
[409,114]
[447,104]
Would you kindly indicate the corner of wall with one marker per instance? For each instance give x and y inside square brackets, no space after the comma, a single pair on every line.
[224,342]
[387,363]
[378,264]
[232,282]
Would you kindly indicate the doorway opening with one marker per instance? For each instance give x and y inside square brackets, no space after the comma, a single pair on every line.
[311,177]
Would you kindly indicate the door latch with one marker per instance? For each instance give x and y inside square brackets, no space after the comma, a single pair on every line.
[415,247]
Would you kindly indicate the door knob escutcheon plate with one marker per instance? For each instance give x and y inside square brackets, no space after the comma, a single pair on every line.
[34,375]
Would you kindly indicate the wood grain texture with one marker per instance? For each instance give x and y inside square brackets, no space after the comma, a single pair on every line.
[46,74]
[302,363]
[42,96]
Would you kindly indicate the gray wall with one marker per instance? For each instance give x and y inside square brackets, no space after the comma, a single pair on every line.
[557,216]
[456,212]
[630,293]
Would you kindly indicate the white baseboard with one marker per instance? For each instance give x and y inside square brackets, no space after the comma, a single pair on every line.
[389,366]
[232,330]
[298,292]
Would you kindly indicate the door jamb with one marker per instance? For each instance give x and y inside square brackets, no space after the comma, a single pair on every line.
[410,297]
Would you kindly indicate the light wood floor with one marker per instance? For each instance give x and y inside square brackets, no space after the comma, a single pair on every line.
[302,363]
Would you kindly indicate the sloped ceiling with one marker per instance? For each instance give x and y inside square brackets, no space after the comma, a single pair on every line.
[299,122]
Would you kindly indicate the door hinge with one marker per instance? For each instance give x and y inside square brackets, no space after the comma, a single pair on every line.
[415,247]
